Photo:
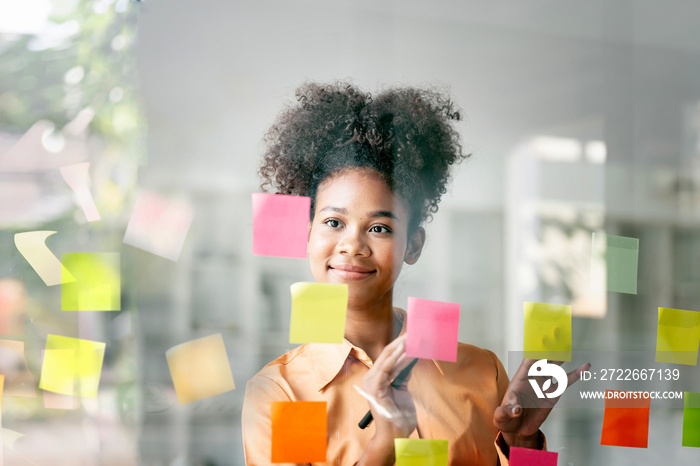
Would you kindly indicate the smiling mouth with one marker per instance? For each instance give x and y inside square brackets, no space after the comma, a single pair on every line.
[351,273]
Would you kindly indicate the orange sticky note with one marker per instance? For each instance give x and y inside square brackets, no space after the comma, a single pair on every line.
[626,419]
[200,368]
[12,303]
[299,431]
[280,225]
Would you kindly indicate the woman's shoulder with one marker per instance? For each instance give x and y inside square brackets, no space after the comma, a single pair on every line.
[472,356]
[288,361]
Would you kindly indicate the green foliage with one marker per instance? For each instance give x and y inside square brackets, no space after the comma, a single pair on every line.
[41,73]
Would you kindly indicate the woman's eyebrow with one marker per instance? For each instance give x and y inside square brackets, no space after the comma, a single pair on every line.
[383,213]
[340,210]
[373,214]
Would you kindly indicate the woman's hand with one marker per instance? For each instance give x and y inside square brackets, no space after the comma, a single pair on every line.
[392,408]
[521,412]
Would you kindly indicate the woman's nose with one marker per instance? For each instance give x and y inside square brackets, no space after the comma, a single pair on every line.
[353,242]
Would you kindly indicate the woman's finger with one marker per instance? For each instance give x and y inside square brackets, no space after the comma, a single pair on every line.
[380,374]
[507,417]
[574,375]
[389,349]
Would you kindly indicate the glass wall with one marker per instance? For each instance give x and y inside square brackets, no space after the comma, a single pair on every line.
[581,118]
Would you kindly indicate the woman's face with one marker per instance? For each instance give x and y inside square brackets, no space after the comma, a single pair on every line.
[359,236]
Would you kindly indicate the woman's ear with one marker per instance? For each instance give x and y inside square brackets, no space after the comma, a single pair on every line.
[415,246]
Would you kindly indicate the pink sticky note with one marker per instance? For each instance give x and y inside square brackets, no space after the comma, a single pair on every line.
[78,178]
[432,329]
[280,225]
[159,225]
[530,457]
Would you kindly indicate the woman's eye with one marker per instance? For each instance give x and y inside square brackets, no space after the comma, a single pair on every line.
[333,223]
[380,229]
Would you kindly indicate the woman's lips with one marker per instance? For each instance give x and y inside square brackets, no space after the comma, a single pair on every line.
[349,272]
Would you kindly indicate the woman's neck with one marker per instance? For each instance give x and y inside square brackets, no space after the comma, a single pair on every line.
[371,327]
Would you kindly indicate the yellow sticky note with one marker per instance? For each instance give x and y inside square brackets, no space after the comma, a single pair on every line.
[420,452]
[678,336]
[547,331]
[200,368]
[97,285]
[32,245]
[72,366]
[318,313]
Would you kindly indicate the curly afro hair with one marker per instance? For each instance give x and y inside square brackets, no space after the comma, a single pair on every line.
[404,134]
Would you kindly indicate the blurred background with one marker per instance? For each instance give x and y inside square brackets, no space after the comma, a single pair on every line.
[581,117]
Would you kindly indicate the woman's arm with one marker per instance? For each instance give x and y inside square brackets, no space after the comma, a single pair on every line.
[392,408]
[256,421]
[521,413]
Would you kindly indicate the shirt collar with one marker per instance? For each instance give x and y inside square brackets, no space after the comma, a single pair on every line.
[330,358]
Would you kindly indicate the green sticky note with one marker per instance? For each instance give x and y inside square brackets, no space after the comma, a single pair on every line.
[72,366]
[97,285]
[420,452]
[621,259]
[547,331]
[318,313]
[691,419]
[678,336]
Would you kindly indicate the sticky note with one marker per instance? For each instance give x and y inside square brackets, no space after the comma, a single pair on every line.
[529,457]
[280,225]
[32,245]
[691,419]
[97,285]
[547,333]
[159,225]
[299,431]
[72,366]
[200,368]
[19,381]
[78,178]
[13,295]
[318,312]
[621,256]
[58,401]
[626,419]
[678,336]
[432,329]
[420,452]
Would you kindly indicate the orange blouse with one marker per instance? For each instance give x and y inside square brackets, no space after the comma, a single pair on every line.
[454,401]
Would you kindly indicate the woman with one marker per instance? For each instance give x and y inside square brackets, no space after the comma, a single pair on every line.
[375,169]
